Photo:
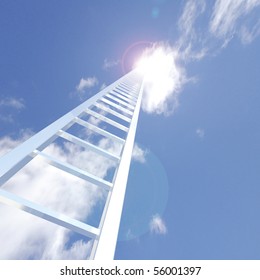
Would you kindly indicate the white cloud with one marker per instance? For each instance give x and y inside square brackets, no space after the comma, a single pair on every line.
[86,83]
[9,107]
[11,102]
[200,132]
[110,146]
[192,10]
[110,63]
[247,35]
[226,19]
[7,118]
[130,235]
[157,225]
[164,79]
[24,236]
[220,23]
[191,43]
[139,154]
[103,86]
[27,237]
[227,15]
[7,143]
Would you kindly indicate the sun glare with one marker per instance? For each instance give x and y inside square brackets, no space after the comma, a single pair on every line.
[155,65]
[162,78]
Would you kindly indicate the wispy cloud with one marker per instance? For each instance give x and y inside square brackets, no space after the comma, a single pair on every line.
[189,34]
[57,190]
[86,83]
[7,118]
[9,107]
[248,35]
[205,29]
[229,18]
[157,225]
[103,86]
[11,102]
[110,63]
[130,235]
[166,73]
[200,132]
[192,10]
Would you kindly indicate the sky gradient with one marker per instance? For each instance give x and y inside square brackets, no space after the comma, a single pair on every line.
[193,190]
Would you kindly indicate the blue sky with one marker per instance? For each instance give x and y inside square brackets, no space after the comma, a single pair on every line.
[193,191]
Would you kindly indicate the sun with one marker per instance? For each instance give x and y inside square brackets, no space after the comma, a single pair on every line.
[162,78]
[155,65]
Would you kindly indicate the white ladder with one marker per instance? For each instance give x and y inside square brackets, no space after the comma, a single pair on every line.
[121,99]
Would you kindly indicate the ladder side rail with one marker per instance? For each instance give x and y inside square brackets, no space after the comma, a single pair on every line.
[106,244]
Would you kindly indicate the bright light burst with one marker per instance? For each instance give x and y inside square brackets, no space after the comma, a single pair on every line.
[156,64]
[163,79]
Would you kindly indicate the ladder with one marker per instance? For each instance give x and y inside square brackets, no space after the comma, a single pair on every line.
[121,100]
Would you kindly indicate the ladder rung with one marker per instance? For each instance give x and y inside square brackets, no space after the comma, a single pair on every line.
[123,97]
[131,91]
[99,130]
[74,170]
[47,214]
[120,101]
[88,145]
[124,110]
[107,120]
[123,84]
[127,87]
[127,90]
[113,112]
[124,93]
